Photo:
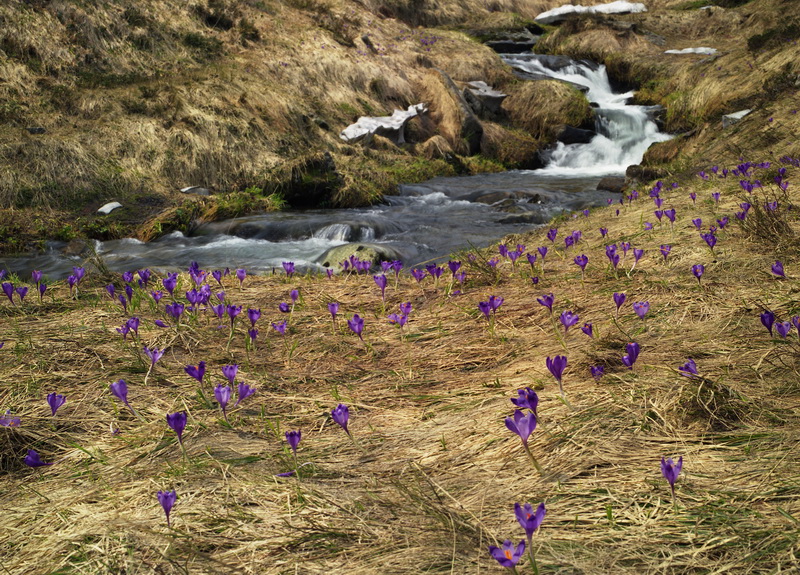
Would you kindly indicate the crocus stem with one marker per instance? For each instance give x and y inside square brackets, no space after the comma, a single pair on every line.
[533,556]
[146,375]
[533,459]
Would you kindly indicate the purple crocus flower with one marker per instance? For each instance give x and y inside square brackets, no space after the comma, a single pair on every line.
[619,299]
[418,274]
[710,239]
[659,214]
[284,307]
[34,460]
[233,311]
[597,371]
[36,277]
[783,328]
[119,389]
[22,291]
[542,252]
[341,416]
[241,274]
[222,393]
[454,266]
[568,319]
[603,232]
[8,289]
[777,269]
[175,310]
[648,226]
[768,320]
[547,301]
[381,281]
[689,369]
[587,329]
[796,324]
[665,249]
[280,327]
[528,399]
[253,315]
[177,421]
[641,308]
[243,391]
[167,500]
[397,319]
[127,277]
[529,519]
[556,367]
[637,255]
[581,261]
[55,400]
[630,358]
[42,289]
[293,295]
[698,223]
[356,325]
[715,195]
[293,439]
[333,308]
[154,354]
[133,324]
[196,372]
[670,470]
[551,235]
[252,334]
[170,283]
[485,309]
[698,270]
[693,197]
[229,371]
[8,420]
[723,221]
[522,425]
[507,555]
[79,273]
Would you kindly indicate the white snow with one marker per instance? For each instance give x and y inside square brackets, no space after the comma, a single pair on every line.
[618,7]
[109,207]
[701,50]
[370,125]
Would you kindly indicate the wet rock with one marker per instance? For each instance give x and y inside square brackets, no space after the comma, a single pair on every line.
[497,197]
[643,173]
[196,190]
[76,248]
[614,184]
[526,218]
[510,46]
[375,253]
[483,99]
[36,130]
[572,135]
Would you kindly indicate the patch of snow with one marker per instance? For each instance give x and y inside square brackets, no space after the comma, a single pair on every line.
[109,207]
[701,50]
[618,7]
[730,119]
[371,125]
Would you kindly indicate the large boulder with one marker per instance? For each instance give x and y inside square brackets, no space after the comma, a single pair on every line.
[572,135]
[456,121]
[614,184]
[375,253]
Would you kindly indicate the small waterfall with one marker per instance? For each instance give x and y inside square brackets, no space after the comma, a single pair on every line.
[624,132]
[336,232]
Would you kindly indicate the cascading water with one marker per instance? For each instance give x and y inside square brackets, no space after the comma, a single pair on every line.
[624,132]
[425,221]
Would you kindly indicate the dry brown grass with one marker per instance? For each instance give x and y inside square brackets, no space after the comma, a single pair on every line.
[540,107]
[436,474]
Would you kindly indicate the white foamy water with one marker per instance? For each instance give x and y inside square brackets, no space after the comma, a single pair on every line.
[624,132]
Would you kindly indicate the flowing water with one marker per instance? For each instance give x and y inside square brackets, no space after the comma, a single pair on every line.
[424,221]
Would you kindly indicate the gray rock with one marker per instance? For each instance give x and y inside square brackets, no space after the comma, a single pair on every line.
[36,130]
[731,119]
[471,128]
[614,184]
[196,190]
[499,196]
[375,253]
[571,135]
[526,218]
[510,46]
[644,173]
[483,98]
